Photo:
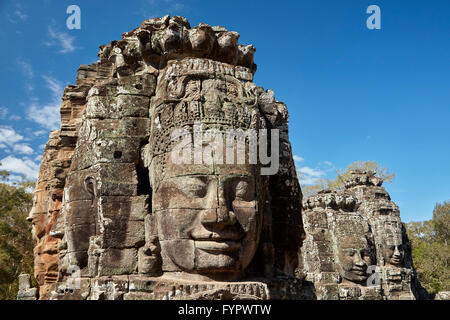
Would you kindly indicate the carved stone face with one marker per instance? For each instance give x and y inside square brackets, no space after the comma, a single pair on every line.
[355,255]
[38,214]
[393,253]
[208,218]
[391,244]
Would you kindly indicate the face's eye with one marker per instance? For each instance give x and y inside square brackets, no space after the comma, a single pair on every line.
[350,253]
[193,186]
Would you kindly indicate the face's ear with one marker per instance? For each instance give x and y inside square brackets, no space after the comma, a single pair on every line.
[149,161]
[90,185]
[155,173]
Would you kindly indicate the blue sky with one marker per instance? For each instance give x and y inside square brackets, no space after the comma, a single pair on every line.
[352,93]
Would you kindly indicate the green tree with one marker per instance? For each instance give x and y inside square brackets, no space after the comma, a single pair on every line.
[342,175]
[16,245]
[430,249]
[441,222]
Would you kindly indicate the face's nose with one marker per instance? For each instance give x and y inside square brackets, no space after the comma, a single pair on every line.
[225,212]
[223,215]
[30,215]
[397,253]
[357,260]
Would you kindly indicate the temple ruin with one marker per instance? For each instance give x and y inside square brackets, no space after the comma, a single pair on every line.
[114,217]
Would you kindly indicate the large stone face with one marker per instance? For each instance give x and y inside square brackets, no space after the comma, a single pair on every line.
[121,213]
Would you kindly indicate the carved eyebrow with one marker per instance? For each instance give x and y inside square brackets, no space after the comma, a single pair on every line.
[357,249]
[202,179]
[192,175]
[237,176]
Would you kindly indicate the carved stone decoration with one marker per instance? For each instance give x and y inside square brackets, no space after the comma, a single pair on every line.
[115,217]
[356,246]
[25,290]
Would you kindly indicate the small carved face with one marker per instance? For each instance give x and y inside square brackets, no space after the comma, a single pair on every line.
[355,255]
[393,254]
[39,222]
[208,218]
[38,214]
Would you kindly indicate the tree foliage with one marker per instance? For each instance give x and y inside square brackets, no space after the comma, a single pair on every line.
[431,253]
[342,175]
[16,245]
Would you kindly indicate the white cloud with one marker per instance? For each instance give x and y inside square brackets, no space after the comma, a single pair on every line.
[29,87]
[311,172]
[27,71]
[62,39]
[155,8]
[297,158]
[307,175]
[14,117]
[308,181]
[40,132]
[9,136]
[47,115]
[3,112]
[14,178]
[24,166]
[175,5]
[22,148]
[26,68]
[19,14]
[11,139]
[327,166]
[310,176]
[54,85]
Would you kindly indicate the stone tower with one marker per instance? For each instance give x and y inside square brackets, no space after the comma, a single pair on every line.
[117,216]
[356,246]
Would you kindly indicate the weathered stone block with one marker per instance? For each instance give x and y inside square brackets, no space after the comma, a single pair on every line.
[82,212]
[139,296]
[77,236]
[117,107]
[117,262]
[122,233]
[125,208]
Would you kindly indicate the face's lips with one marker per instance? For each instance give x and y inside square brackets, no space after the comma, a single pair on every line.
[217,246]
[361,271]
[219,236]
